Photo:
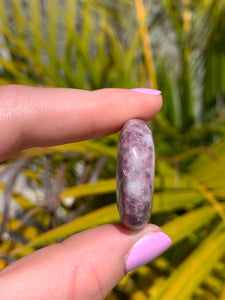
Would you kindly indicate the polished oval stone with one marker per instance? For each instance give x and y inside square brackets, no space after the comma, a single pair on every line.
[135,173]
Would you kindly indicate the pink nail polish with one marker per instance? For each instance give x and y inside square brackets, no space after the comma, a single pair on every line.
[148,91]
[146,249]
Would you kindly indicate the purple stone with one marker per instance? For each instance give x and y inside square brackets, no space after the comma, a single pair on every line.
[135,173]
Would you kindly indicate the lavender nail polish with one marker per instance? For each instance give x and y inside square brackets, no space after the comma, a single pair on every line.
[146,249]
[147,91]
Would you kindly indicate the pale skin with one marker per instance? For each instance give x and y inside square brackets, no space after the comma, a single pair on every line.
[89,264]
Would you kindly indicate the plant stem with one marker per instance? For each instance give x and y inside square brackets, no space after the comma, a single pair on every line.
[141,17]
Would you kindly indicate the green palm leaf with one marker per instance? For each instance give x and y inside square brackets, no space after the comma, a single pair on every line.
[195,268]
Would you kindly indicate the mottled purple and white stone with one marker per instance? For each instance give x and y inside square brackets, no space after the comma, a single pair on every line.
[135,173]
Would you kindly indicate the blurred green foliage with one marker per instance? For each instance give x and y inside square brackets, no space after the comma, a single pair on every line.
[92,44]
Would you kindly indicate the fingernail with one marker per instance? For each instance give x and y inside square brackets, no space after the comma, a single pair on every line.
[146,249]
[148,91]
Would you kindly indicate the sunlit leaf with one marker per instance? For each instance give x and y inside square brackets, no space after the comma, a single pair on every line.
[101,187]
[194,269]
[40,214]
[108,214]
[27,231]
[182,226]
[86,146]
[3,264]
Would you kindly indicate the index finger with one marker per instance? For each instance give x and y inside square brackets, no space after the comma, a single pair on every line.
[35,116]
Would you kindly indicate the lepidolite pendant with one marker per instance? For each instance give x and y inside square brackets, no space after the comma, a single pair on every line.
[135,173]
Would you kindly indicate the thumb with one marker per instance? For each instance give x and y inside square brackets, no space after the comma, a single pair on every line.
[85,266]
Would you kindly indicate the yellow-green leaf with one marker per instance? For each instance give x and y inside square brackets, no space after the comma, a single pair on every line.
[182,226]
[108,214]
[3,264]
[27,231]
[86,146]
[100,187]
[194,269]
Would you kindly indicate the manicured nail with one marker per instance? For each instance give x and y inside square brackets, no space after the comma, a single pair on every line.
[146,249]
[148,91]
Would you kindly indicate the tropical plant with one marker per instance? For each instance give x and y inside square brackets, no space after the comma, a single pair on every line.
[70,188]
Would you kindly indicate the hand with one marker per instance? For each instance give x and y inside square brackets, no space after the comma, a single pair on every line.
[89,264]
